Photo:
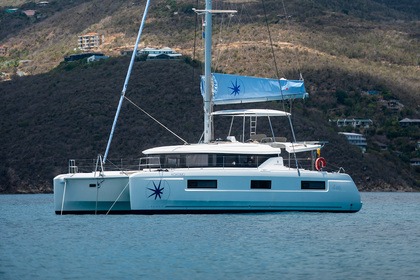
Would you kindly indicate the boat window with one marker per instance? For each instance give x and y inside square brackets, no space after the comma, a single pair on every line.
[196,160]
[149,162]
[313,185]
[260,184]
[172,161]
[202,184]
[205,160]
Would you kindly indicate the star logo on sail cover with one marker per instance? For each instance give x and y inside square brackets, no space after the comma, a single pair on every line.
[236,88]
[157,191]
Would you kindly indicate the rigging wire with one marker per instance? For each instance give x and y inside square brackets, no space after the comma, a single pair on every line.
[195,31]
[194,46]
[297,60]
[220,40]
[230,39]
[278,78]
[158,122]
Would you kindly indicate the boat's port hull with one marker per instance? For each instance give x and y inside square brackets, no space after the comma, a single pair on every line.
[86,193]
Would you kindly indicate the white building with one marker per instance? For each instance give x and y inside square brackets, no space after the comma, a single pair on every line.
[415,161]
[409,122]
[94,58]
[164,53]
[90,41]
[3,50]
[365,123]
[356,139]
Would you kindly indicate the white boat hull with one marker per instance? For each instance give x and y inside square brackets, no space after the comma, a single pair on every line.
[89,193]
[168,192]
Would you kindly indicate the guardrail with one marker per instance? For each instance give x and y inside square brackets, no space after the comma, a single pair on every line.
[135,164]
[90,165]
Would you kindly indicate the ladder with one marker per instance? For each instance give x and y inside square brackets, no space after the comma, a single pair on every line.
[252,125]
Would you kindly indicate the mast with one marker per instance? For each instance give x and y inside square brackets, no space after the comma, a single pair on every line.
[133,56]
[208,102]
[208,95]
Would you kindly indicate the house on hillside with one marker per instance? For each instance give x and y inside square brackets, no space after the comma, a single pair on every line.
[164,53]
[356,139]
[355,122]
[153,53]
[393,105]
[3,50]
[90,41]
[415,161]
[409,122]
[25,62]
[372,92]
[4,76]
[11,10]
[95,57]
[79,56]
[29,13]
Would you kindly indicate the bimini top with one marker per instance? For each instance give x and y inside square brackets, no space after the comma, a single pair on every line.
[251,113]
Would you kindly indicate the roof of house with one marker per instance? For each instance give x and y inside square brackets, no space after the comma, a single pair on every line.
[89,34]
[407,120]
[29,13]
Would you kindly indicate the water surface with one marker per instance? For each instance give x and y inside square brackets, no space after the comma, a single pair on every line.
[382,241]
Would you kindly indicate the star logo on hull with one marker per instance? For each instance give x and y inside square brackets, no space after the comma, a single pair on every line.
[157,191]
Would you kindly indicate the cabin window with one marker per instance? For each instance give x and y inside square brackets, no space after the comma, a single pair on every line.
[260,184]
[149,162]
[202,184]
[92,185]
[197,160]
[172,161]
[203,160]
[313,185]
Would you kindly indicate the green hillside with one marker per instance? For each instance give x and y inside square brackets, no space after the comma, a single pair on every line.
[343,49]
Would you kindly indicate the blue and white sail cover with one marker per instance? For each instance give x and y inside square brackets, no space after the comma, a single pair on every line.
[233,89]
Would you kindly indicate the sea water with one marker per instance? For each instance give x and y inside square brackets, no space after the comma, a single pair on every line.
[382,241]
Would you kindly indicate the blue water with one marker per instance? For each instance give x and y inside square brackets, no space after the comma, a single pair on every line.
[382,241]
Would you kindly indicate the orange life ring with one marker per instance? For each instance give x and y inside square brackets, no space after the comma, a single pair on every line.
[320,163]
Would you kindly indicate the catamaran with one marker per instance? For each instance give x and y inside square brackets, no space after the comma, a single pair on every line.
[235,174]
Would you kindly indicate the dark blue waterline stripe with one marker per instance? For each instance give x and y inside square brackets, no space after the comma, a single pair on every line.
[194,211]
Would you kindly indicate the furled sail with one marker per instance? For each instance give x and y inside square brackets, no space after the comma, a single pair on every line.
[233,89]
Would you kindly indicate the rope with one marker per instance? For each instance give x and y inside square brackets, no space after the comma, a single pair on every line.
[217,59]
[117,198]
[117,167]
[158,122]
[64,196]
[195,44]
[286,16]
[195,31]
[221,29]
[271,44]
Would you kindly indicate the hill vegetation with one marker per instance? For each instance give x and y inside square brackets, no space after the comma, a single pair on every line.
[342,48]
